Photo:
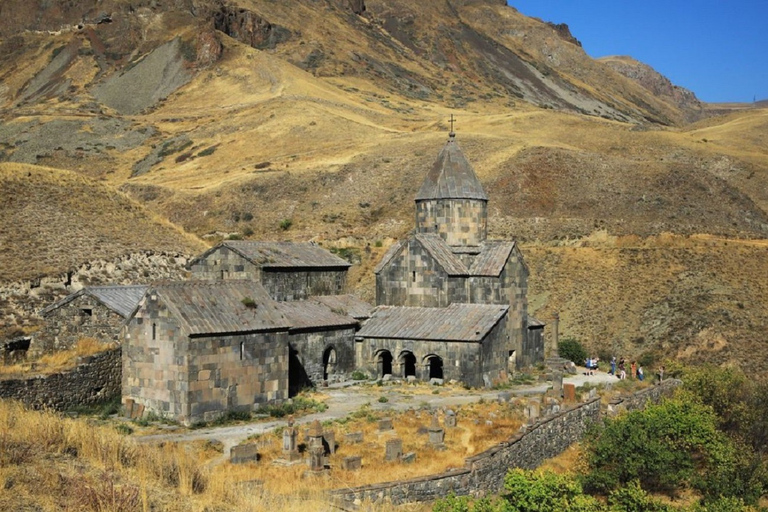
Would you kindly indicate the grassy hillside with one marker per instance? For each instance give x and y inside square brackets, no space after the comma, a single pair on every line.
[54,220]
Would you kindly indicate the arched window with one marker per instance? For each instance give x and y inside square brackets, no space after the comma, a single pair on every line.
[407,364]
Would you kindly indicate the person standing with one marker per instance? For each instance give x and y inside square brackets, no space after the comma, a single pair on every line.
[613,365]
[640,374]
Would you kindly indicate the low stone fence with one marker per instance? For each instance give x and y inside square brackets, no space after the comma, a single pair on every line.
[94,380]
[484,473]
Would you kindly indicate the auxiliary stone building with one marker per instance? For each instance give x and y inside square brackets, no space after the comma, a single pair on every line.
[93,312]
[287,270]
[449,264]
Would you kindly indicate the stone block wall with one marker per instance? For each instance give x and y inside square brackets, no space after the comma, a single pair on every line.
[83,317]
[224,263]
[457,221]
[311,347]
[298,284]
[94,380]
[484,473]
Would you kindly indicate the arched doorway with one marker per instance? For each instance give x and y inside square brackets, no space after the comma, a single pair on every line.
[407,364]
[384,362]
[297,375]
[434,367]
[329,362]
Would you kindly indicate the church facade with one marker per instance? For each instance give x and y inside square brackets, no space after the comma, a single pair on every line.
[448,261]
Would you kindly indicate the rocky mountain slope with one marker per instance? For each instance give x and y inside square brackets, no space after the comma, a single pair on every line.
[317,119]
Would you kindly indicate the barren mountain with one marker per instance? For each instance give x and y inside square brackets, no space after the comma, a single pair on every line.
[317,119]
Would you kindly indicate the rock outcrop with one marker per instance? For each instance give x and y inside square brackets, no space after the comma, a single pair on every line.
[249,28]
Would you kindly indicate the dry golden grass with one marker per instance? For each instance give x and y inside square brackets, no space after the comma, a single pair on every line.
[49,463]
[480,426]
[55,362]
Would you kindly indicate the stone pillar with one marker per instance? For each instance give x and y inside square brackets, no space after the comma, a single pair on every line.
[555,335]
[315,435]
[436,434]
[316,456]
[557,384]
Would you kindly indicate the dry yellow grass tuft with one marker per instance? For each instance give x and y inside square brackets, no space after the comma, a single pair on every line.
[55,362]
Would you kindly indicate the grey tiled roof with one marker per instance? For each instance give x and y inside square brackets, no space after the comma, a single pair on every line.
[282,254]
[441,251]
[535,322]
[120,299]
[307,314]
[457,322]
[346,304]
[451,177]
[492,258]
[217,307]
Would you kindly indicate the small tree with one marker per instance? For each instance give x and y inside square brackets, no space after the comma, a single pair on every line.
[572,350]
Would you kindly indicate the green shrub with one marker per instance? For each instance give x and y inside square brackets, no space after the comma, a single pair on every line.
[664,447]
[571,349]
[383,399]
[286,224]
[358,375]
[207,151]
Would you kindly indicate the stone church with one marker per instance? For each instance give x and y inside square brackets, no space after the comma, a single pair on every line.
[452,304]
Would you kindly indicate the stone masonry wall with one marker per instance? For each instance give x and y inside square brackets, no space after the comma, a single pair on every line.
[457,221]
[84,317]
[484,473]
[301,284]
[94,380]
[224,263]
[311,347]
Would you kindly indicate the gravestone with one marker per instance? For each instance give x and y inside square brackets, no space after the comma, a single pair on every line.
[408,458]
[592,393]
[316,458]
[352,463]
[385,424]
[569,393]
[394,449]
[353,437]
[436,434]
[450,419]
[128,407]
[290,446]
[315,435]
[532,410]
[243,453]
[557,384]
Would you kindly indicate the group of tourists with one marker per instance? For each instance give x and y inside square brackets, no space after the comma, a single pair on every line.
[619,369]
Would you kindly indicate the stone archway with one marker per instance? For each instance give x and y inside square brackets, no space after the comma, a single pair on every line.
[407,364]
[433,367]
[329,362]
[384,362]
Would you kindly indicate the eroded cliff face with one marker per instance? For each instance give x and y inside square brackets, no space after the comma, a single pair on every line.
[21,301]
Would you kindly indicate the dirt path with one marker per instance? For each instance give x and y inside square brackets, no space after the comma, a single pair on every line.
[344,400]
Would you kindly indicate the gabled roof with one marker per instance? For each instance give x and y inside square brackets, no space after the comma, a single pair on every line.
[451,177]
[281,254]
[441,251]
[346,304]
[457,322]
[120,299]
[393,250]
[492,258]
[219,307]
[309,314]
[535,323]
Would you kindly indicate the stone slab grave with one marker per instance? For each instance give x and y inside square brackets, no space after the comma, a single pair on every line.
[532,411]
[244,453]
[436,434]
[394,450]
[557,384]
[353,438]
[450,419]
[569,393]
[385,424]
[290,454]
[316,448]
[352,463]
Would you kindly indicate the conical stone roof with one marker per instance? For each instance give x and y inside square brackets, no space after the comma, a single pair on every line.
[451,177]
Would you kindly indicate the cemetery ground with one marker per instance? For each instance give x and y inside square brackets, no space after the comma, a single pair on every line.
[97,462]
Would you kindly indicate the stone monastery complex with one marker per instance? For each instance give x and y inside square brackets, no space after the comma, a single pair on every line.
[259,321]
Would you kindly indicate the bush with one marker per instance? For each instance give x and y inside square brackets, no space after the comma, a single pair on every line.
[358,375]
[664,447]
[571,349]
[286,224]
[383,399]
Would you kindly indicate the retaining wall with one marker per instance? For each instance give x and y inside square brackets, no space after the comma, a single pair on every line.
[94,380]
[484,473]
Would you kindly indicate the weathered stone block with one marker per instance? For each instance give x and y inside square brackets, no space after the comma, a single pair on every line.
[385,424]
[353,437]
[352,463]
[243,453]
[394,449]
[569,393]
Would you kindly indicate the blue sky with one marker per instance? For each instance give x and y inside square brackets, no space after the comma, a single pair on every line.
[716,48]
